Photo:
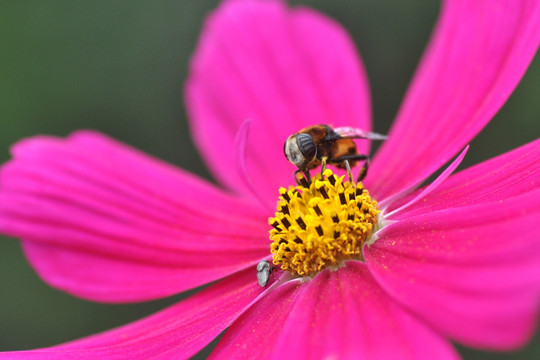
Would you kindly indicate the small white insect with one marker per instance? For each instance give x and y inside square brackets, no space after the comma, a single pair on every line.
[264,269]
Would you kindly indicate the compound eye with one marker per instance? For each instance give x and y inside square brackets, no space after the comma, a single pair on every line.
[307,146]
[292,152]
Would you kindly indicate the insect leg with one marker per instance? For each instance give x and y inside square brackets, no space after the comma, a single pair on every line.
[363,171]
[323,164]
[308,178]
[349,171]
[356,157]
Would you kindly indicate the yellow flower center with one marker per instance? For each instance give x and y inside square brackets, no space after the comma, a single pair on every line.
[321,224]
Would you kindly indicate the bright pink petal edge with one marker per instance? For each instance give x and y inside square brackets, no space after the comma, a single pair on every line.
[478,53]
[284,69]
[472,272]
[177,332]
[514,173]
[105,222]
[339,314]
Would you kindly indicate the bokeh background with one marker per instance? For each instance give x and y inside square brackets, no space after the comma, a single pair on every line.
[119,67]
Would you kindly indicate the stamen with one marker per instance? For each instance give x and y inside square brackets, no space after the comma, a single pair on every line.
[301,223]
[286,223]
[332,180]
[324,223]
[275,225]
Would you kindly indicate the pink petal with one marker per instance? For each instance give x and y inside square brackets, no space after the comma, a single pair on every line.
[428,189]
[105,222]
[284,69]
[240,159]
[340,314]
[177,332]
[472,272]
[478,53]
[514,173]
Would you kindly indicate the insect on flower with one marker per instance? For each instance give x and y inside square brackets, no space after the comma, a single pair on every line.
[321,145]
[383,269]
[264,270]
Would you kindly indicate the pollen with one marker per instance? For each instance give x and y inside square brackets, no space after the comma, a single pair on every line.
[321,224]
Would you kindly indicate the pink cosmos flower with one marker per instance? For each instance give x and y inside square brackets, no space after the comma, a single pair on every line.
[458,260]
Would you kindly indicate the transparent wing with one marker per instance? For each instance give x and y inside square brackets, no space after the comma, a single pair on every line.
[354,133]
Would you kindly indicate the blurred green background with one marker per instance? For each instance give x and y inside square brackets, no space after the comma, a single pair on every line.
[119,67]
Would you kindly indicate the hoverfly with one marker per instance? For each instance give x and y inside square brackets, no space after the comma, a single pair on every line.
[321,144]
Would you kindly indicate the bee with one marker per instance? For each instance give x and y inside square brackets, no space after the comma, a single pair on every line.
[320,145]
